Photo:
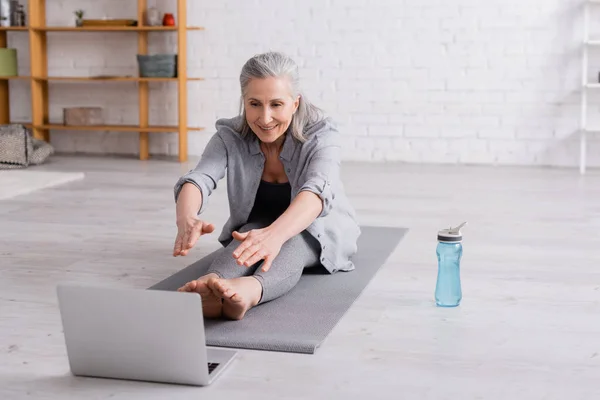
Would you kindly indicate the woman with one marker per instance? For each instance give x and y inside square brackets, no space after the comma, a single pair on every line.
[288,209]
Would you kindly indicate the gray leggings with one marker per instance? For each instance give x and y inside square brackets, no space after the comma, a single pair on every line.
[299,252]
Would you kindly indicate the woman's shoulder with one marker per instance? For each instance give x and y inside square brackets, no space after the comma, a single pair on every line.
[229,131]
[229,126]
[322,126]
[323,131]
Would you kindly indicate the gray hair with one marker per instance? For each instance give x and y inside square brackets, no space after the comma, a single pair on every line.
[278,65]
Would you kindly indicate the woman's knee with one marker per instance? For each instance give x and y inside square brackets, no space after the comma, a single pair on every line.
[304,247]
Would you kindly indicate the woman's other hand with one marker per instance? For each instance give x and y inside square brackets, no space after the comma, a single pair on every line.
[257,244]
[188,231]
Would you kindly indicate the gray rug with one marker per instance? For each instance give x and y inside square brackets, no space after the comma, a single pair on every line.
[299,321]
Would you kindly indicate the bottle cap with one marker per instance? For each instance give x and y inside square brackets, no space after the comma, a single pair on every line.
[451,235]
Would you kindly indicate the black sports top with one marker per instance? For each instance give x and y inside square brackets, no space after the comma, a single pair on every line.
[272,199]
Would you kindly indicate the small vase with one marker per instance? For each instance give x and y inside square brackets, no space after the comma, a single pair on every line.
[79,22]
[153,17]
[168,20]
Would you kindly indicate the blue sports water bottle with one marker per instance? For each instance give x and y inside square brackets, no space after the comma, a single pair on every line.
[448,292]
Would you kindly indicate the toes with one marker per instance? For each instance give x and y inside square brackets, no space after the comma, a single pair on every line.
[227,291]
[194,286]
[211,285]
[214,283]
[236,298]
[202,288]
[220,287]
[184,288]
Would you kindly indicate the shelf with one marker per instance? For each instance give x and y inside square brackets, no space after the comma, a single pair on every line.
[112,28]
[28,125]
[96,79]
[595,42]
[109,78]
[97,28]
[592,85]
[116,128]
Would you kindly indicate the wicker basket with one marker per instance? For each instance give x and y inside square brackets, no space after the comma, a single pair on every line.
[83,116]
[157,66]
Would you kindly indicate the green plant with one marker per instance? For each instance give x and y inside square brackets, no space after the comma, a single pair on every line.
[79,14]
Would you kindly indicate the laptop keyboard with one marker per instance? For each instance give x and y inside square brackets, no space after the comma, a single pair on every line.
[212,366]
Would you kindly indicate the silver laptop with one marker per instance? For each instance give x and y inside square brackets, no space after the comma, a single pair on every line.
[138,334]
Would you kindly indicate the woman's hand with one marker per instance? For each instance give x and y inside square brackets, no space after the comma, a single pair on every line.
[188,231]
[257,244]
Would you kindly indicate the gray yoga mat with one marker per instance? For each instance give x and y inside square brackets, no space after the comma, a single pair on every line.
[299,321]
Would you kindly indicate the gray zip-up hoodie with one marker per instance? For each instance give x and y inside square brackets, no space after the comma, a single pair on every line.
[313,166]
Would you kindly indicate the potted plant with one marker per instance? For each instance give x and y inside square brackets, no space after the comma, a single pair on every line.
[79,17]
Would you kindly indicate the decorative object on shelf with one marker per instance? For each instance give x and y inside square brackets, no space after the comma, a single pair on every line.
[153,17]
[6,11]
[14,13]
[168,20]
[21,16]
[18,149]
[17,14]
[108,22]
[83,116]
[79,17]
[157,65]
[8,62]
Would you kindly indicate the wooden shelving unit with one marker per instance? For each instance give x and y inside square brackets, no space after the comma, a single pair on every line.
[107,79]
[113,28]
[39,79]
[95,78]
[588,44]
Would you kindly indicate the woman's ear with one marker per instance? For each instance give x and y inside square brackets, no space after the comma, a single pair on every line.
[296,104]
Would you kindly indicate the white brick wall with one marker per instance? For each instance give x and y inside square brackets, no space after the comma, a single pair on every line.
[468,81]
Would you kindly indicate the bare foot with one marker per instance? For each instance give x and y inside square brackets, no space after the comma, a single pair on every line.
[238,294]
[212,305]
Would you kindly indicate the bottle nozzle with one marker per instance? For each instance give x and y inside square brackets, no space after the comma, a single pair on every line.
[456,231]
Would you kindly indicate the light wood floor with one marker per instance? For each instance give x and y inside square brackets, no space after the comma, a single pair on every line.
[528,328]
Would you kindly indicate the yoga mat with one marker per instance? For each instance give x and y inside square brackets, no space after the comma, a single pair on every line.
[299,321]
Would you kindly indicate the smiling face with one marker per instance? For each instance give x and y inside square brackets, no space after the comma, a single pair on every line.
[269,107]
